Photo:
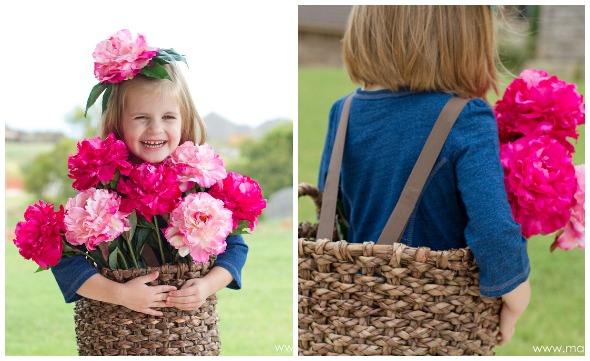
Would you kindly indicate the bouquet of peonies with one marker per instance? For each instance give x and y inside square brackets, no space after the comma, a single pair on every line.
[121,209]
[545,190]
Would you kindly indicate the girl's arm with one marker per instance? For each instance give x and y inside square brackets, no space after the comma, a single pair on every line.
[226,271]
[77,278]
[134,294]
[515,303]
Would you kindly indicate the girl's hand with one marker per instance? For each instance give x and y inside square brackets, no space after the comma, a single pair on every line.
[136,295]
[515,303]
[195,291]
[190,296]
[507,322]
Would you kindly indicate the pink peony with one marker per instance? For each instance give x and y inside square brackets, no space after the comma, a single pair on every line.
[97,161]
[196,163]
[151,189]
[536,104]
[38,237]
[540,181]
[242,196]
[121,57]
[199,226]
[574,231]
[93,217]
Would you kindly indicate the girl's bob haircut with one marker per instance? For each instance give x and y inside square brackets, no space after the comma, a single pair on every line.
[423,48]
[192,129]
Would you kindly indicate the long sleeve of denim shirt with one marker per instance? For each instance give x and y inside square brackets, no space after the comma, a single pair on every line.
[464,202]
[71,272]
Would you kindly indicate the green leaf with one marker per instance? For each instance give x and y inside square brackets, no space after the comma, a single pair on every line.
[142,238]
[115,180]
[94,94]
[40,269]
[97,256]
[142,222]
[133,224]
[170,55]
[113,259]
[156,71]
[106,96]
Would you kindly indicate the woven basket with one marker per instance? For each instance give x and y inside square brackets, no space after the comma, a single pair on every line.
[112,330]
[367,299]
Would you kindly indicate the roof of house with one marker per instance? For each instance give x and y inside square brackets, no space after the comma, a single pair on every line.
[324,19]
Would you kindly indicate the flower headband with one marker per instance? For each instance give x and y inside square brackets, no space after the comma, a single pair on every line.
[121,57]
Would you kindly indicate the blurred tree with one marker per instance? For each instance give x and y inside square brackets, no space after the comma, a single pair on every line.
[88,124]
[269,160]
[47,175]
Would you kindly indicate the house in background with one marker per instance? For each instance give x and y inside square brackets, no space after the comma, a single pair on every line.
[556,33]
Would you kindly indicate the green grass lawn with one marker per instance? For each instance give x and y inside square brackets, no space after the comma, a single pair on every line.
[253,320]
[555,316]
[256,320]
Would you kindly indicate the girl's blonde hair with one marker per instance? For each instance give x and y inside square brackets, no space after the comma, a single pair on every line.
[423,48]
[192,129]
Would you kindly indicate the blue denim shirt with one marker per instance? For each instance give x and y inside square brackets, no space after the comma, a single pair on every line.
[71,272]
[464,202]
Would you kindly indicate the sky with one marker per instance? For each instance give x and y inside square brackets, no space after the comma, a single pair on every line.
[242,56]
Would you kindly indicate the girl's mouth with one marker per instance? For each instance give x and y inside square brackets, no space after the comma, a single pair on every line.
[153,144]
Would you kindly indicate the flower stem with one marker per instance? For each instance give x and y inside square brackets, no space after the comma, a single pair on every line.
[132,253]
[159,240]
[122,258]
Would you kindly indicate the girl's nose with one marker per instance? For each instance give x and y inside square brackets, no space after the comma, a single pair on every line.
[154,126]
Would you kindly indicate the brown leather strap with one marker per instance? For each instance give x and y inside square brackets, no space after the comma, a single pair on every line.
[400,216]
[395,226]
[330,197]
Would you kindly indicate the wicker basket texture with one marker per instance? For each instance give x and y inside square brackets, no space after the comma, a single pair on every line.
[111,330]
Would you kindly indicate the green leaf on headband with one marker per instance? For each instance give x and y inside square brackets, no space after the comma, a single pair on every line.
[170,55]
[106,96]
[94,94]
[156,71]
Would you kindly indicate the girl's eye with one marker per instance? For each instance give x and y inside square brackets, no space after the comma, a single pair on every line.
[169,117]
[141,117]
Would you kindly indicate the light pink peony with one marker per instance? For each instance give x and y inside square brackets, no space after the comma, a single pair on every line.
[242,196]
[196,163]
[121,57]
[97,161]
[199,226]
[151,189]
[38,237]
[93,217]
[540,181]
[574,231]
[535,104]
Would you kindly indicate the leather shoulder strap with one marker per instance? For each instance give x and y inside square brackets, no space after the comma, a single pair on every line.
[400,216]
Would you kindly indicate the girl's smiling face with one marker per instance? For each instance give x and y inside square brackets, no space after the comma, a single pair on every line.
[151,123]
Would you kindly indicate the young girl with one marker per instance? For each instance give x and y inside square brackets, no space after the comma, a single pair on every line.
[152,116]
[409,61]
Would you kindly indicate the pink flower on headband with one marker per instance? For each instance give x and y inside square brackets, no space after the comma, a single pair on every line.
[121,57]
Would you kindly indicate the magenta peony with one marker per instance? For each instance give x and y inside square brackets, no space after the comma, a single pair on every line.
[540,181]
[536,104]
[93,217]
[121,57]
[574,231]
[151,189]
[199,226]
[196,163]
[38,237]
[242,196]
[97,161]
